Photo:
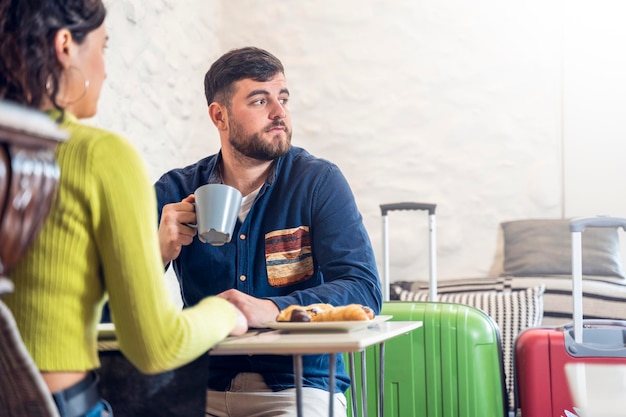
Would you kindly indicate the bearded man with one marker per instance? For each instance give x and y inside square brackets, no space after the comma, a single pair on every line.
[299,237]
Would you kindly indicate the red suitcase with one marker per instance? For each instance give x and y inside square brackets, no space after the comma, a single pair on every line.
[542,353]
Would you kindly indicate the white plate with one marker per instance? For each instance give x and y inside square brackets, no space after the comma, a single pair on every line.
[106,331]
[324,326]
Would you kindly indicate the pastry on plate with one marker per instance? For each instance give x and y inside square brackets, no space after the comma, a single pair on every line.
[325,312]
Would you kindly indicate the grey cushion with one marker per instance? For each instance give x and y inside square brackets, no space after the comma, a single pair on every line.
[543,246]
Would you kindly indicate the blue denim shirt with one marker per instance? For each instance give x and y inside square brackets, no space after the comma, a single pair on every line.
[303,242]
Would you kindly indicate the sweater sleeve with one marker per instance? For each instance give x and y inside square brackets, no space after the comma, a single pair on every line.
[152,332]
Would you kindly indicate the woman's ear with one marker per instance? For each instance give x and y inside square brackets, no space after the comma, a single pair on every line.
[63,47]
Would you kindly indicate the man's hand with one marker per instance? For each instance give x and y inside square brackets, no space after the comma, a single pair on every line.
[173,231]
[256,310]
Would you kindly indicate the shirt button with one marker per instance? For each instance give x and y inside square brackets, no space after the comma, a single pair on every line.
[242,236]
[242,278]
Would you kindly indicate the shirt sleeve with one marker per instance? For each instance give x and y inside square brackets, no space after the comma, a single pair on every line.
[153,333]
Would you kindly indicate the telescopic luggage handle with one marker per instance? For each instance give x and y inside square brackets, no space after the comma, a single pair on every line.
[579,224]
[411,206]
[577,227]
[604,338]
[384,208]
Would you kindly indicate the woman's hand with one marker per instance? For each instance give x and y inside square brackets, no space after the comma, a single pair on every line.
[256,310]
[241,327]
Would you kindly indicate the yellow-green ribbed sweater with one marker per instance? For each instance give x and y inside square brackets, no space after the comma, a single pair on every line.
[100,239]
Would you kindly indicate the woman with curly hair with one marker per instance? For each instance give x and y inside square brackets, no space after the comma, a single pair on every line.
[99,241]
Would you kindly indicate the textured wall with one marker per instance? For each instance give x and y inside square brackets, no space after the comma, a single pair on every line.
[157,55]
[452,102]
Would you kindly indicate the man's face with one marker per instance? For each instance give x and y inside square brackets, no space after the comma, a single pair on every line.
[259,122]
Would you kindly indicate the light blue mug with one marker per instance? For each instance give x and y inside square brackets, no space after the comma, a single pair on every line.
[217,207]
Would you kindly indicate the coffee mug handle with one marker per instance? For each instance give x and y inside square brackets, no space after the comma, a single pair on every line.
[192,225]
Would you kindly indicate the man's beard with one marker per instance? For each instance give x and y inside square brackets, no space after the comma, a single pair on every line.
[254,147]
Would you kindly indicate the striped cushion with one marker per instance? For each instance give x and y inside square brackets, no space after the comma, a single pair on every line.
[451,286]
[603,297]
[513,311]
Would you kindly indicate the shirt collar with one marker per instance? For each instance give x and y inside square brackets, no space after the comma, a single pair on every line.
[216,175]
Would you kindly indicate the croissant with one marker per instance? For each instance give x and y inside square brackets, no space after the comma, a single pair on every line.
[351,312]
[325,312]
[301,313]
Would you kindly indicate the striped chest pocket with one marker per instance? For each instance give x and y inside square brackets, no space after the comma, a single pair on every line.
[288,256]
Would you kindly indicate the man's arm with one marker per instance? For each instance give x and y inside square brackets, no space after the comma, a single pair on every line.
[341,248]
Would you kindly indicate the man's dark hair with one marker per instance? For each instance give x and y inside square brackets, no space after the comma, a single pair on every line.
[238,64]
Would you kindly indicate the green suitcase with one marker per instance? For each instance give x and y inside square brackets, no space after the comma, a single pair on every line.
[451,367]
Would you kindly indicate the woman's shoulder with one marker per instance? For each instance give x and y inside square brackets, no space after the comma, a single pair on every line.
[96,142]
[82,132]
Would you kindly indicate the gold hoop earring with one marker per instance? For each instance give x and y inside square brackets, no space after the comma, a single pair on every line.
[85,82]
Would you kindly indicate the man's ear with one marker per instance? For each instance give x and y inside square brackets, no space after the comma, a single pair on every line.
[218,115]
[63,47]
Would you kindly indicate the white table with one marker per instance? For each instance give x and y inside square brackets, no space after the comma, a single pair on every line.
[276,342]
[297,344]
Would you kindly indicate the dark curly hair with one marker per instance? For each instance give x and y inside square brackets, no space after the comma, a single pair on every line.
[29,70]
[237,64]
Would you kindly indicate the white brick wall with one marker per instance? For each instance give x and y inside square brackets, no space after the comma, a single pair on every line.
[452,102]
